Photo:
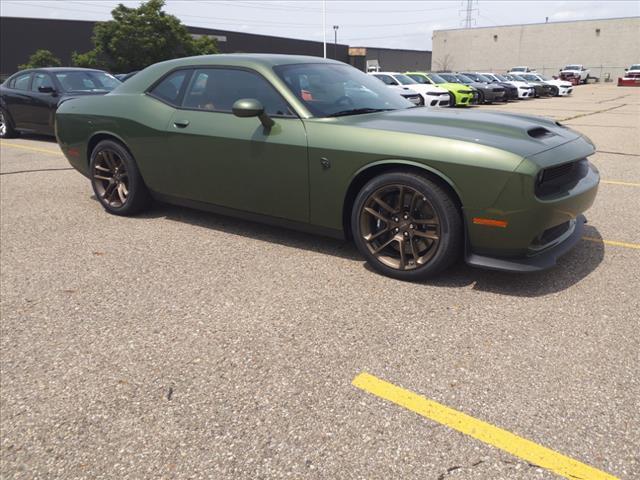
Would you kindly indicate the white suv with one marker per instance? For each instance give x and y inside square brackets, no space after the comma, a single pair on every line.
[518,70]
[576,71]
[433,96]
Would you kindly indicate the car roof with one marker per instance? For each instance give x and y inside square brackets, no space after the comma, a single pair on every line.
[63,69]
[248,60]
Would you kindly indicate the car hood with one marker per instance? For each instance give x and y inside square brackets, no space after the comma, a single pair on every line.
[424,88]
[522,135]
[456,87]
[479,85]
[558,83]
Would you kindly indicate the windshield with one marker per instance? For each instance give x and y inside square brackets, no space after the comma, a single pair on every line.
[478,77]
[572,67]
[87,81]
[519,69]
[435,78]
[463,78]
[518,78]
[530,77]
[419,78]
[404,80]
[502,78]
[635,67]
[334,90]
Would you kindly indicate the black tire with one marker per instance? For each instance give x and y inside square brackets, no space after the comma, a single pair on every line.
[555,91]
[113,172]
[428,257]
[481,100]
[7,129]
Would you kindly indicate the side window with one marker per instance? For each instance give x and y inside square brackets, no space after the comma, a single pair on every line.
[217,89]
[21,82]
[170,89]
[387,79]
[41,80]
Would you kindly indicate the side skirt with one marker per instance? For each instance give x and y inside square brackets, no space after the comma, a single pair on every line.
[252,217]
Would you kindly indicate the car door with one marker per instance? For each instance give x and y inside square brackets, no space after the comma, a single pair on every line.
[43,104]
[234,162]
[18,99]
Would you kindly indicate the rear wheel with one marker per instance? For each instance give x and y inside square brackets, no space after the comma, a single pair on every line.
[406,226]
[116,179]
[6,126]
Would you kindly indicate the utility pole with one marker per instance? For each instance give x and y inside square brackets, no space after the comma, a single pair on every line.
[469,20]
[335,41]
[324,27]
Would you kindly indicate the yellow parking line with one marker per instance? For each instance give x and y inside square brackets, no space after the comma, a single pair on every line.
[616,182]
[24,147]
[485,432]
[613,242]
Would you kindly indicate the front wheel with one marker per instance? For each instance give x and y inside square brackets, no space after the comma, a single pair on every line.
[6,127]
[116,180]
[406,226]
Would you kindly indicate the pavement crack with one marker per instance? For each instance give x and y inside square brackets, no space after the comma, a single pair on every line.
[34,171]
[618,153]
[580,115]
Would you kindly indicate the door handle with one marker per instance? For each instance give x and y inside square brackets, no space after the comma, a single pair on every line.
[181,123]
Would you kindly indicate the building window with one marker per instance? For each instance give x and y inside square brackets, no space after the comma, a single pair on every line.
[597,32]
[495,38]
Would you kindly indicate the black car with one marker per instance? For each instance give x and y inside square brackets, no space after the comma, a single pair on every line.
[511,92]
[486,93]
[29,98]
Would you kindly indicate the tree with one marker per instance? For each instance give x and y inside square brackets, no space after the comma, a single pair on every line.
[41,58]
[139,37]
[446,63]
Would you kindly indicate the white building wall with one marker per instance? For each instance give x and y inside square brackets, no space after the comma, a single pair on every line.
[604,46]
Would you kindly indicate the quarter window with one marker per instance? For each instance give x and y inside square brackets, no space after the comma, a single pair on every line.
[171,87]
[41,80]
[386,79]
[21,82]
[217,89]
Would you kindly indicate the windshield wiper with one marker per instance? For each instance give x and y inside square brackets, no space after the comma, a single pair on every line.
[358,111]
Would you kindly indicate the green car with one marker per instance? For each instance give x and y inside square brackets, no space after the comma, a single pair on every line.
[317,145]
[461,95]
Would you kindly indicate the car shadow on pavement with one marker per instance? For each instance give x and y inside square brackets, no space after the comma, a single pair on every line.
[577,264]
[572,267]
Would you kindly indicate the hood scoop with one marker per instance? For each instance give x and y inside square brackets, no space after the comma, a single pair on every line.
[540,132]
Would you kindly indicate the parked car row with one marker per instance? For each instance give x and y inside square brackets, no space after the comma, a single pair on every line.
[447,89]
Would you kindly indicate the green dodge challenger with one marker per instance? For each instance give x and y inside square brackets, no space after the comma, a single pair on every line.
[317,145]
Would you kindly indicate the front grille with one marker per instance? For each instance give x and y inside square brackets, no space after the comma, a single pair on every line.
[557,179]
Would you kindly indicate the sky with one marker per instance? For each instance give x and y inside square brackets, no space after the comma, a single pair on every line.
[388,23]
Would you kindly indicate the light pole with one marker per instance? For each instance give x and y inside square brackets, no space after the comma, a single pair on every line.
[335,41]
[324,28]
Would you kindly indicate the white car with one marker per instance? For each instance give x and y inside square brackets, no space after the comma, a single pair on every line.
[563,88]
[518,70]
[433,96]
[524,89]
[576,71]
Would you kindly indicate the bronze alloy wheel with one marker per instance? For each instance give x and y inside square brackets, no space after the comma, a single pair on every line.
[110,178]
[400,227]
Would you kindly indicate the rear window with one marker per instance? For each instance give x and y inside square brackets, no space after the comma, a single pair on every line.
[171,88]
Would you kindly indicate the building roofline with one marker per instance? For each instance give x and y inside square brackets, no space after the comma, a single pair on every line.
[393,49]
[540,23]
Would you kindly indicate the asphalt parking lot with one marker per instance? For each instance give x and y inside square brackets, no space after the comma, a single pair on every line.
[182,344]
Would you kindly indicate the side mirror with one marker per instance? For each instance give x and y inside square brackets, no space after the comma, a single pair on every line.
[46,89]
[250,107]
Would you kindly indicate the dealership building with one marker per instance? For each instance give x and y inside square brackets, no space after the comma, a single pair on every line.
[20,37]
[606,47]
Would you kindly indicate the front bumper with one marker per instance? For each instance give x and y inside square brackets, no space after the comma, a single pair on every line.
[491,96]
[534,263]
[534,219]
